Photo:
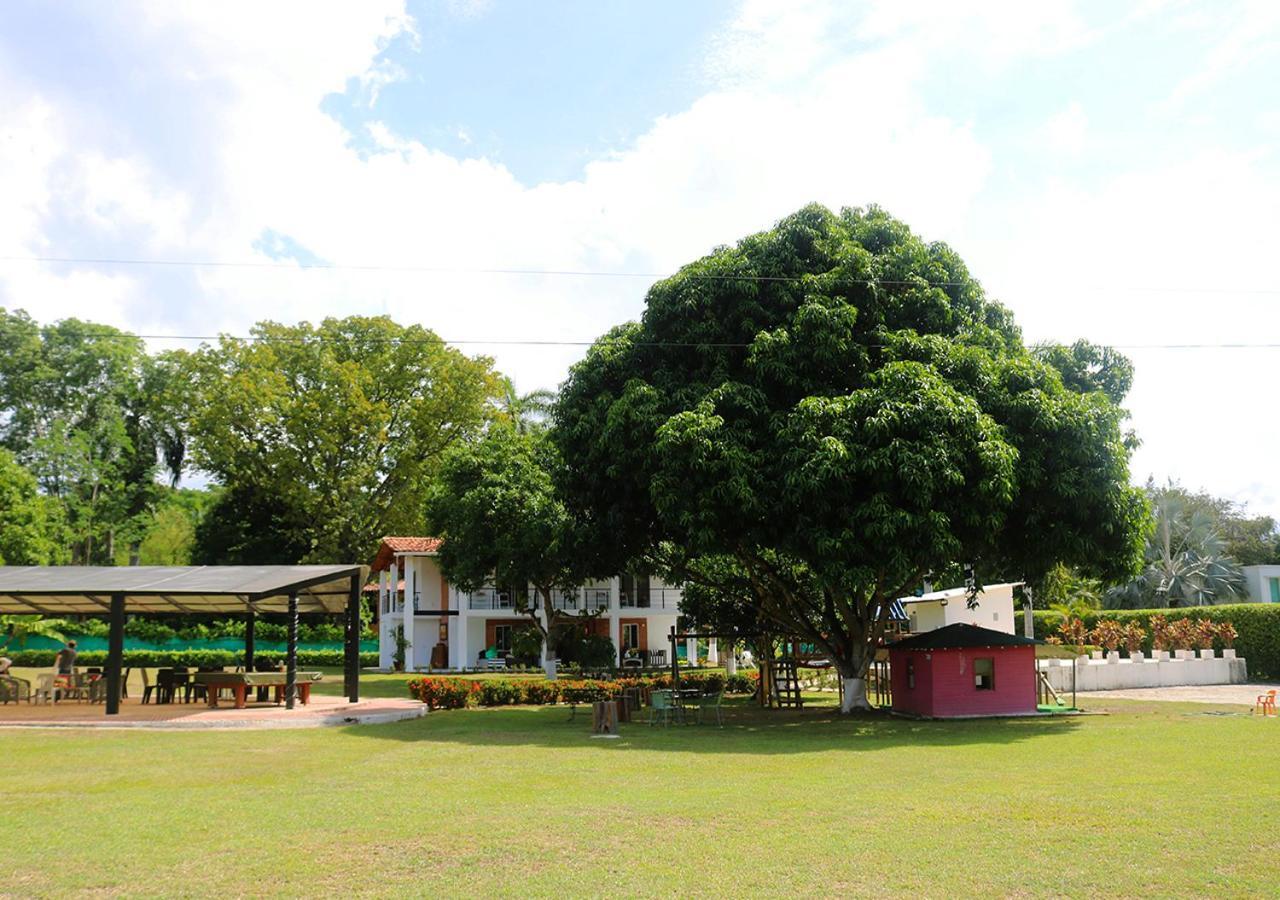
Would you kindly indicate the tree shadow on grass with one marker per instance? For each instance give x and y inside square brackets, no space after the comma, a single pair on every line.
[747,729]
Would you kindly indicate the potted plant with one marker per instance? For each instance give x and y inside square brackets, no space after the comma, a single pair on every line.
[1161,639]
[1109,634]
[1206,631]
[1074,633]
[1182,633]
[1227,634]
[397,661]
[1134,636]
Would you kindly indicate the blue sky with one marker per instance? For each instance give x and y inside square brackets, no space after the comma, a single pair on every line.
[1108,171]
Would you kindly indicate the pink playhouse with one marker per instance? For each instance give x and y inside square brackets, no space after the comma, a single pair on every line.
[963,670]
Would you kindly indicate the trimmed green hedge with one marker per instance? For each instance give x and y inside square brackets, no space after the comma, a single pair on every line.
[39,659]
[1257,628]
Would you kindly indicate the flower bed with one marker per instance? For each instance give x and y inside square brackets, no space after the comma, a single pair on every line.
[453,692]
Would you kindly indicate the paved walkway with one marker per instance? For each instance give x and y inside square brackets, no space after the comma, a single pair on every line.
[1243,694]
[321,711]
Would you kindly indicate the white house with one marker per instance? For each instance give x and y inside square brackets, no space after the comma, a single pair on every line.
[1263,583]
[940,608]
[450,629]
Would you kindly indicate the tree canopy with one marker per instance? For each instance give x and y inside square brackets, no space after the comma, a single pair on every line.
[329,434]
[497,508]
[87,411]
[26,532]
[836,405]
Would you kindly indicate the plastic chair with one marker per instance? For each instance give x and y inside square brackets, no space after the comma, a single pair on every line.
[660,707]
[1266,703]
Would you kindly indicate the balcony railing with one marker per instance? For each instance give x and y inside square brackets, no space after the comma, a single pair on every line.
[654,598]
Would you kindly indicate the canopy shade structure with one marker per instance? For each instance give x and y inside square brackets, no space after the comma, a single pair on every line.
[248,590]
[87,590]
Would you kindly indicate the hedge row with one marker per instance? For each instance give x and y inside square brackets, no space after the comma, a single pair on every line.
[158,632]
[444,692]
[1257,628]
[39,659]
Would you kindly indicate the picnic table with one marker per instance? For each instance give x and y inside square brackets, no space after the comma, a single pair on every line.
[240,682]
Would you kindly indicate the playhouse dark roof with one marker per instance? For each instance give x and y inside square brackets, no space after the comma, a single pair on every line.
[961,635]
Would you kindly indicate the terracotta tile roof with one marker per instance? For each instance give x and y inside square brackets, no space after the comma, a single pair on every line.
[392,545]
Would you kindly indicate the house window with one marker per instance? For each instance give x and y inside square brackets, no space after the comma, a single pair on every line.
[911,674]
[502,638]
[630,636]
[1275,589]
[984,674]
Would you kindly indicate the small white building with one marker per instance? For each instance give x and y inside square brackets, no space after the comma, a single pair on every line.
[448,629]
[938,609]
[1263,583]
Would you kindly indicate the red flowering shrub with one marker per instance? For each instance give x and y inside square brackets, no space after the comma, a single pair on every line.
[445,693]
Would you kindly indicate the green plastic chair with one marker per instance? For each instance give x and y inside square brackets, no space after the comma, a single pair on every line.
[660,707]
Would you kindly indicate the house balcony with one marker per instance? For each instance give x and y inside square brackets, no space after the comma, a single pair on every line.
[655,599]
[585,600]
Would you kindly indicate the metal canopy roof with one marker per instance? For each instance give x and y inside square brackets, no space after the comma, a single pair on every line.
[87,590]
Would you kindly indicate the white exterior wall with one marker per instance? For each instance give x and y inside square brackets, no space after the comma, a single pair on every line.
[1101,675]
[467,629]
[1258,580]
[941,608]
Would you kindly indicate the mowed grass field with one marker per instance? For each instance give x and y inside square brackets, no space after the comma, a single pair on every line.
[1166,799]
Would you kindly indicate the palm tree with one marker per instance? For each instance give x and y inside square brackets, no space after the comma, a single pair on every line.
[529,412]
[20,628]
[1186,564]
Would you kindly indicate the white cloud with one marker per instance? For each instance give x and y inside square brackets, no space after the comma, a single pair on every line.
[1066,133]
[812,101]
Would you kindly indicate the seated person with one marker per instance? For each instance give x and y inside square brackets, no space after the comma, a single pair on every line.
[5,665]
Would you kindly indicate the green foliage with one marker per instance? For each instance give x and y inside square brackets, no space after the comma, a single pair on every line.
[1185,557]
[497,509]
[526,413]
[90,414]
[835,410]
[27,536]
[1256,626]
[15,630]
[327,436]
[1086,368]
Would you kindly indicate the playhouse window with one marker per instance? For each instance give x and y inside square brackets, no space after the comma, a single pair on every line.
[984,674]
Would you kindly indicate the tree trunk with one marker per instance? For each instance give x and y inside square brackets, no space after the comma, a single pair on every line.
[855,695]
[853,675]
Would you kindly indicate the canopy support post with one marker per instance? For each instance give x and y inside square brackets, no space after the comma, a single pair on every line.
[291,655]
[250,622]
[115,654]
[353,642]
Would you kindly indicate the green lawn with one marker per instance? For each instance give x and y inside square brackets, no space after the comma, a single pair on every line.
[523,802]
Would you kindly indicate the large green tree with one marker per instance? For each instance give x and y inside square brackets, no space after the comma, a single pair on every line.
[83,407]
[329,433]
[837,406]
[498,510]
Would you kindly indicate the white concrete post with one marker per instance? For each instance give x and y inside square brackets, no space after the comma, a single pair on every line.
[691,651]
[458,651]
[386,637]
[713,652]
[410,621]
[731,660]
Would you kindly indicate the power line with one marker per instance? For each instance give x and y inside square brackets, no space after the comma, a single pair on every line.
[298,265]
[529,342]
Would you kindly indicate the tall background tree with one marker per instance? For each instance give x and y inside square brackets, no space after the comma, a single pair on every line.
[82,407]
[498,510]
[836,406]
[1185,557]
[28,521]
[326,437]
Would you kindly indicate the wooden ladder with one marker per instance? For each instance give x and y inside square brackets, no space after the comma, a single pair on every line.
[786,685]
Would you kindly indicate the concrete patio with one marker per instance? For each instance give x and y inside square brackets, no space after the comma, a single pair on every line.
[321,711]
